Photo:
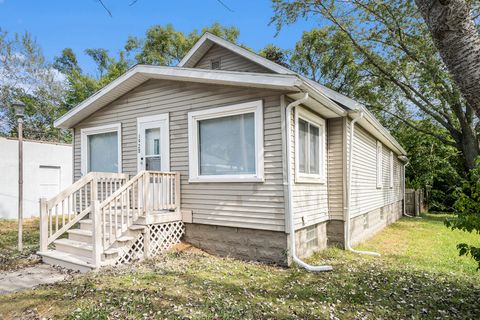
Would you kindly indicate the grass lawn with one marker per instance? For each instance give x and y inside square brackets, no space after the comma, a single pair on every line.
[418,276]
[10,257]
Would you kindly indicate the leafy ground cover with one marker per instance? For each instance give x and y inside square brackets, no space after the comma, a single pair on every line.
[418,276]
[10,257]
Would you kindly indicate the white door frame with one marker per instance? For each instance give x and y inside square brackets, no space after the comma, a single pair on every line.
[155,121]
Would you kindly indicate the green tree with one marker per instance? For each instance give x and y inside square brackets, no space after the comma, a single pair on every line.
[276,54]
[413,85]
[26,76]
[396,51]
[101,58]
[467,207]
[67,62]
[165,46]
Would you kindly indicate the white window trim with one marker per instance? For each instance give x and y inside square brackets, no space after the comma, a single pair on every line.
[84,133]
[379,166]
[301,113]
[194,117]
[165,139]
[391,170]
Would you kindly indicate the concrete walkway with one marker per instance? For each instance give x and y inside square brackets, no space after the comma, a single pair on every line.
[12,281]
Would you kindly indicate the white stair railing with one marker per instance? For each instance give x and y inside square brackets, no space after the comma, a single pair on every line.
[62,212]
[146,193]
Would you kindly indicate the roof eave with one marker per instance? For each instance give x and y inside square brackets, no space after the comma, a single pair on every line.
[141,73]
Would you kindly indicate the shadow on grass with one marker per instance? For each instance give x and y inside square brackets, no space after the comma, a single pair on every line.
[208,287]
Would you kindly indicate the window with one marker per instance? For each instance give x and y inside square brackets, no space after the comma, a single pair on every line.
[226,144]
[365,221]
[379,165]
[215,64]
[101,149]
[391,169]
[310,147]
[311,237]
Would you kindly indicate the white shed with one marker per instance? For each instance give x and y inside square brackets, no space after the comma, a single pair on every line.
[47,170]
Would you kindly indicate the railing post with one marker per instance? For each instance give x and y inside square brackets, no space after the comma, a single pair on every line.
[96,233]
[94,189]
[146,193]
[146,243]
[177,191]
[43,225]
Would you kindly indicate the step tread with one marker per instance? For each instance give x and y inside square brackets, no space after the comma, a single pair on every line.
[74,243]
[137,227]
[80,232]
[67,257]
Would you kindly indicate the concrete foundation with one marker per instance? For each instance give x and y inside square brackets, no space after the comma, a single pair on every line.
[272,246]
[311,239]
[366,225]
[336,233]
[240,243]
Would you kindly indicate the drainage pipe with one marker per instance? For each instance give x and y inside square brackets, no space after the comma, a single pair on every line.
[295,258]
[359,115]
[404,191]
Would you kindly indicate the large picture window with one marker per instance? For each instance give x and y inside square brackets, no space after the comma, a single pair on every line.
[310,147]
[226,144]
[100,149]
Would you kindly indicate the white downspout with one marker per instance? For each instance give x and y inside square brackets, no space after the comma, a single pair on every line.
[295,258]
[359,116]
[404,192]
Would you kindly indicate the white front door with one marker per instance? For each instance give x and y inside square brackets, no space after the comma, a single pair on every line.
[153,143]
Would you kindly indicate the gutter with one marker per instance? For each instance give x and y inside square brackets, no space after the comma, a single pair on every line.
[358,116]
[295,258]
[323,99]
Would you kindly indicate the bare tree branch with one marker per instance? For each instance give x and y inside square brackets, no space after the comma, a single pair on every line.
[224,5]
[105,7]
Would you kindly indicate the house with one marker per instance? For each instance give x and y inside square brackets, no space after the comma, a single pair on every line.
[47,169]
[229,150]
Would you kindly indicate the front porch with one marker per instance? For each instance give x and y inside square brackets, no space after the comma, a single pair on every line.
[108,219]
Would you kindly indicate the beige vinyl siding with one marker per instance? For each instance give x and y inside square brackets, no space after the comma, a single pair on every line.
[247,205]
[229,61]
[365,194]
[336,167]
[309,200]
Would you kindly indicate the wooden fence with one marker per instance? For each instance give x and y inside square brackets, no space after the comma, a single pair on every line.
[415,202]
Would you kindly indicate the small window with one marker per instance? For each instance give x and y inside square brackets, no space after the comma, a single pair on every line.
[226,144]
[215,64]
[100,149]
[391,170]
[379,165]
[311,237]
[310,147]
[365,221]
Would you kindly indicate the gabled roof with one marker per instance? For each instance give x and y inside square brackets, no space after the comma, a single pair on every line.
[369,121]
[208,40]
[141,73]
[281,78]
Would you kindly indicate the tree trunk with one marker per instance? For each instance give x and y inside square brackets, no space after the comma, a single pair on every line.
[454,33]
[470,147]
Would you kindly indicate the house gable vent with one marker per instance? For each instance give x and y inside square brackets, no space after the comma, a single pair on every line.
[215,64]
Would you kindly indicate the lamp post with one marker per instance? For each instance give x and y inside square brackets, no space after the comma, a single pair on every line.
[20,112]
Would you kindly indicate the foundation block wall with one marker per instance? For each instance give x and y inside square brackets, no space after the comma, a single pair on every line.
[240,243]
[272,246]
[366,225]
[311,239]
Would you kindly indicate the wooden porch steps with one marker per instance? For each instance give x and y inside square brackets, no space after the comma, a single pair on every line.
[133,219]
[76,251]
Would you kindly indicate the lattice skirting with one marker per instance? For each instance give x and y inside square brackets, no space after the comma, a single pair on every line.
[158,238]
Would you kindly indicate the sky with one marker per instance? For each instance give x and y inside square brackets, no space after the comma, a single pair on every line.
[82,24]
